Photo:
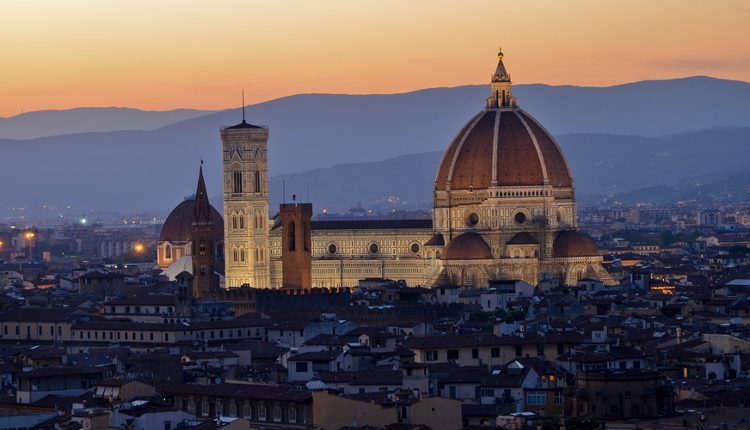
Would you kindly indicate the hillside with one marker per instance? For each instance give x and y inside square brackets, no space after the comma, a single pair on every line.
[153,169]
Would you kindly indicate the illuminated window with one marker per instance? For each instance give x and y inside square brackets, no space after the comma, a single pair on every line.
[202,248]
[168,252]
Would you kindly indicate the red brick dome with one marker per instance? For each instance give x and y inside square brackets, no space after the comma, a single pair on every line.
[571,243]
[177,226]
[468,246]
[502,147]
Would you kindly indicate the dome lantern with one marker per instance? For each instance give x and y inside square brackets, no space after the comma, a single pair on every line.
[502,95]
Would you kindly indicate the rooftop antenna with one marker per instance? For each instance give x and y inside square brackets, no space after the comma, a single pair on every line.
[243,106]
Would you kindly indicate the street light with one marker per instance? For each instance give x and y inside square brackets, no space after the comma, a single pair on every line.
[29,235]
[139,247]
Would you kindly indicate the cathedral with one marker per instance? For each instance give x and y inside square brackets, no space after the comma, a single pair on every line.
[504,208]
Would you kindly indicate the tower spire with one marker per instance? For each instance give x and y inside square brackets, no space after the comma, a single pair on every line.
[501,96]
[501,75]
[202,208]
[243,107]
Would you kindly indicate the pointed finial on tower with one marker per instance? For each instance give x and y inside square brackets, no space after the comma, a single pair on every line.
[243,107]
[501,75]
[202,208]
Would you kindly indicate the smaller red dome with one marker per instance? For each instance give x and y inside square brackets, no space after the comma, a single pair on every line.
[571,243]
[177,226]
[468,246]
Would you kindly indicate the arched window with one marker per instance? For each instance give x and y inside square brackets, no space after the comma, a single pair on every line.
[292,237]
[235,255]
[242,255]
[168,252]
[257,181]
[242,221]
[237,184]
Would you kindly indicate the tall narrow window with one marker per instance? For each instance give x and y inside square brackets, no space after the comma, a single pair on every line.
[234,222]
[235,255]
[242,221]
[257,181]
[237,182]
[202,248]
[168,252]
[292,236]
[242,255]
[304,237]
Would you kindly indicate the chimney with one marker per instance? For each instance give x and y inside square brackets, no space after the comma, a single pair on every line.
[296,245]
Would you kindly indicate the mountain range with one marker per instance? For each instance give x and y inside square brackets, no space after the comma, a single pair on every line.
[618,139]
[45,123]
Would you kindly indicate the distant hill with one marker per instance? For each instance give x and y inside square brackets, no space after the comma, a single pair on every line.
[43,123]
[137,170]
[631,168]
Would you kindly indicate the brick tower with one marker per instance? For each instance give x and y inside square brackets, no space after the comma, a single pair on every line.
[205,281]
[296,245]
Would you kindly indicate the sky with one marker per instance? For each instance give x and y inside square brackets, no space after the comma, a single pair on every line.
[165,54]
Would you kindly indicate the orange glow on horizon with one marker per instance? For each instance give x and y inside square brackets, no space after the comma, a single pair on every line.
[175,54]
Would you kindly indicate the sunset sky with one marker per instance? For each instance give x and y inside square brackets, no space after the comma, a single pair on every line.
[169,54]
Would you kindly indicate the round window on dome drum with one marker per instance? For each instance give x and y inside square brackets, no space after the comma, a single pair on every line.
[374,248]
[472,219]
[520,218]
[332,249]
[415,248]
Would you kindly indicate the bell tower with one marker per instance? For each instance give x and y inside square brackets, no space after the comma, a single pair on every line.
[246,225]
[205,280]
